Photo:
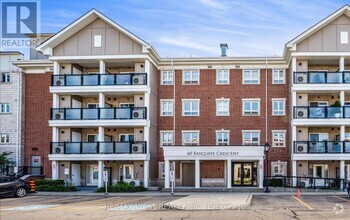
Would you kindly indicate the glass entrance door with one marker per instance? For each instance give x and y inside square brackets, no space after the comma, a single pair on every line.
[243,174]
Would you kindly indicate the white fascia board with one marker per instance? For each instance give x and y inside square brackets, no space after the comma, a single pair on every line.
[94,157]
[97,123]
[96,89]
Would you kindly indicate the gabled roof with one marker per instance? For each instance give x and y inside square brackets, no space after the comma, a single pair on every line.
[82,22]
[343,10]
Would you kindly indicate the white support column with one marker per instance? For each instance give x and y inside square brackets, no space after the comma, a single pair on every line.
[342,132]
[55,100]
[101,134]
[146,137]
[261,174]
[294,98]
[147,105]
[229,173]
[145,173]
[342,98]
[342,172]
[54,165]
[167,174]
[56,68]
[197,173]
[102,68]
[148,71]
[100,173]
[294,172]
[101,100]
[341,64]
[55,134]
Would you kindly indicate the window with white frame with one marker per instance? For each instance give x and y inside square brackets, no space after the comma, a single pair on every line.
[278,77]
[97,41]
[251,137]
[190,138]
[166,138]
[223,76]
[166,107]
[279,168]
[222,107]
[251,76]
[251,107]
[190,77]
[161,169]
[4,138]
[344,37]
[5,77]
[5,108]
[190,107]
[222,137]
[167,77]
[278,106]
[278,138]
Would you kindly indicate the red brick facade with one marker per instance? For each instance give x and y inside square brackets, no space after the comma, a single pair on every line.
[37,133]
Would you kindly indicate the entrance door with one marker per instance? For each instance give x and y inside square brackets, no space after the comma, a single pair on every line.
[128,172]
[76,174]
[35,165]
[188,172]
[91,175]
[109,177]
[242,174]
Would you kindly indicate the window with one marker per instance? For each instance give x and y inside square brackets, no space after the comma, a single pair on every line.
[92,138]
[5,108]
[251,107]
[166,138]
[190,77]
[190,138]
[251,77]
[126,137]
[278,106]
[222,77]
[161,169]
[279,168]
[344,37]
[278,138]
[190,107]
[279,77]
[222,107]
[5,77]
[222,137]
[167,78]
[97,41]
[251,137]
[166,107]
[4,138]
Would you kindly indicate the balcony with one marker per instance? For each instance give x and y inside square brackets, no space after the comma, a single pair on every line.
[124,79]
[319,77]
[321,147]
[321,112]
[122,113]
[138,147]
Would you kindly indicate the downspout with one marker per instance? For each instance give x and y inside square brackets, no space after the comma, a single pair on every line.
[266,101]
[174,103]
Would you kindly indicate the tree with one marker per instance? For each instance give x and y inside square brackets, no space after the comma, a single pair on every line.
[4,161]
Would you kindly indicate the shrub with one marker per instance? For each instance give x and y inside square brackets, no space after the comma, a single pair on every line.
[53,186]
[274,182]
[122,187]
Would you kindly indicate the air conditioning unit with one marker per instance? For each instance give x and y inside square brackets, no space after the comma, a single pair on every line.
[58,149]
[138,114]
[58,81]
[301,148]
[59,115]
[137,148]
[138,80]
[301,113]
[134,182]
[301,78]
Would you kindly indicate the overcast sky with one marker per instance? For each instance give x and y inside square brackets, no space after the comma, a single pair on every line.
[183,28]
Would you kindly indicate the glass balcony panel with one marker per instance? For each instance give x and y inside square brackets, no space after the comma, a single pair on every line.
[317,77]
[346,111]
[317,112]
[334,112]
[317,147]
[334,147]
[335,77]
[73,148]
[90,80]
[107,113]
[89,148]
[123,113]
[122,147]
[107,79]
[123,79]
[106,147]
[73,114]
[346,77]
[73,80]
[90,113]
[347,147]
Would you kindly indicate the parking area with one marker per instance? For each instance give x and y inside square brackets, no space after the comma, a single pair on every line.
[147,207]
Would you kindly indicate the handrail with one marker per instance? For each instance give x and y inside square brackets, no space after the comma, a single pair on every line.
[321,77]
[321,147]
[321,112]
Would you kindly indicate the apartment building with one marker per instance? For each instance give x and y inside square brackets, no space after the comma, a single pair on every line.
[11,114]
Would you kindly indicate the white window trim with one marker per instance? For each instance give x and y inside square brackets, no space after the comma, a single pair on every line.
[161,109]
[251,71]
[284,76]
[276,163]
[344,37]
[5,134]
[98,41]
[165,131]
[1,104]
[161,77]
[247,100]
[189,131]
[279,131]
[222,131]
[284,106]
[250,131]
[7,75]
[190,84]
[125,134]
[217,76]
[189,100]
[228,110]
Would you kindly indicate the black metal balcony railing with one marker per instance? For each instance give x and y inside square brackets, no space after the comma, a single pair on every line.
[321,112]
[136,147]
[321,147]
[99,79]
[122,113]
[321,77]
[21,171]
